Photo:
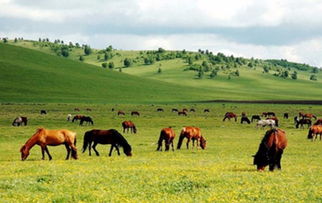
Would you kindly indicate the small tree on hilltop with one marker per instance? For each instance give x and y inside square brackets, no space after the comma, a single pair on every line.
[104,65]
[111,65]
[294,75]
[313,77]
[87,50]
[81,58]
[127,62]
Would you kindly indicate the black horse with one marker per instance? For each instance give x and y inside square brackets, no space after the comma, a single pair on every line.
[244,119]
[256,117]
[111,136]
[19,121]
[302,121]
[87,119]
[285,115]
[43,112]
[160,110]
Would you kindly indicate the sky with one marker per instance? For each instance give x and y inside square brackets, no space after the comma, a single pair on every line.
[280,29]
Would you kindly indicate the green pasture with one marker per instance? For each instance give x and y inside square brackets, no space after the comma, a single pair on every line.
[222,172]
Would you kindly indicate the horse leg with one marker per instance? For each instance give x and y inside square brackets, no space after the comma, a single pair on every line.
[46,149]
[110,154]
[94,148]
[193,143]
[68,151]
[172,145]
[188,143]
[117,149]
[43,152]
[90,148]
[123,129]
[278,160]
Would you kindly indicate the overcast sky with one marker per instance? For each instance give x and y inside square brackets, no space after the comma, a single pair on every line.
[288,29]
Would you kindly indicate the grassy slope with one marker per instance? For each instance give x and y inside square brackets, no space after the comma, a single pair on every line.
[31,76]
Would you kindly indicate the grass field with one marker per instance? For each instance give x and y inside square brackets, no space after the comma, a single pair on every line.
[223,172]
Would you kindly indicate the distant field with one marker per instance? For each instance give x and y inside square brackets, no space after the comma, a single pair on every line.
[223,172]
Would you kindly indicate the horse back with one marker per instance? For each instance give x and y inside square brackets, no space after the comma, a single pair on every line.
[277,138]
[167,133]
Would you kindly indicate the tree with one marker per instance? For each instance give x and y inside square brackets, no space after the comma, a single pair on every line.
[200,73]
[159,70]
[237,73]
[266,69]
[294,75]
[87,50]
[16,40]
[313,77]
[104,65]
[5,40]
[120,69]
[213,74]
[161,50]
[285,74]
[81,58]
[109,48]
[127,62]
[315,70]
[64,51]
[111,65]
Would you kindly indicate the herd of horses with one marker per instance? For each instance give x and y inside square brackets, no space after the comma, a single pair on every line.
[269,152]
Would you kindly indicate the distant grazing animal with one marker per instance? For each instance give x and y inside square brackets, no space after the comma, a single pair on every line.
[174,110]
[194,134]
[166,134]
[182,113]
[185,110]
[43,112]
[135,113]
[192,110]
[285,115]
[256,117]
[307,115]
[112,109]
[88,109]
[244,119]
[270,150]
[206,111]
[69,117]
[160,110]
[76,109]
[128,125]
[230,115]
[77,117]
[120,113]
[302,121]
[275,119]
[318,122]
[243,114]
[264,123]
[266,114]
[19,121]
[86,119]
[44,137]
[111,136]
[314,131]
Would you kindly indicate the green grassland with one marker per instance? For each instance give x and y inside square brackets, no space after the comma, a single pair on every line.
[223,172]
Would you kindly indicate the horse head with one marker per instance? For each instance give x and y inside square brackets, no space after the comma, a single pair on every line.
[127,149]
[261,158]
[24,153]
[203,142]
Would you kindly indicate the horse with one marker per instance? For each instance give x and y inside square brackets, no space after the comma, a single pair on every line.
[87,119]
[185,110]
[264,123]
[307,115]
[120,113]
[273,118]
[19,121]
[318,122]
[194,134]
[77,117]
[43,112]
[88,109]
[266,114]
[166,134]
[111,136]
[244,119]
[206,110]
[256,117]
[192,110]
[182,113]
[230,115]
[302,121]
[160,110]
[128,125]
[314,131]
[69,117]
[174,110]
[135,113]
[285,115]
[270,150]
[44,137]
[76,109]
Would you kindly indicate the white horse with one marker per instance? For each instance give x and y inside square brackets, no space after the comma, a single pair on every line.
[69,117]
[264,123]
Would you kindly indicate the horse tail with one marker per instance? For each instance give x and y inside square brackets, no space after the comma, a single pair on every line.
[181,138]
[310,134]
[87,138]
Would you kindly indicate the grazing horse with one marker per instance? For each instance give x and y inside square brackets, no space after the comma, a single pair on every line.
[256,117]
[76,109]
[44,137]
[43,112]
[69,117]
[244,119]
[264,123]
[88,109]
[318,122]
[160,110]
[191,133]
[275,119]
[111,136]
[285,115]
[206,111]
[192,110]
[128,125]
[120,113]
[314,131]
[135,113]
[230,115]
[174,110]
[185,110]
[77,117]
[307,115]
[19,121]
[302,121]
[182,113]
[265,114]
[270,150]
[166,134]
[87,119]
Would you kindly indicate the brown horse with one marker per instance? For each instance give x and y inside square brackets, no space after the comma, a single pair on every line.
[182,113]
[76,109]
[120,113]
[318,122]
[268,114]
[77,117]
[166,134]
[230,115]
[19,121]
[307,115]
[270,150]
[111,136]
[314,131]
[44,137]
[185,110]
[128,125]
[191,133]
[135,113]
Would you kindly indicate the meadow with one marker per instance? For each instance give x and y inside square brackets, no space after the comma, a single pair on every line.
[222,172]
